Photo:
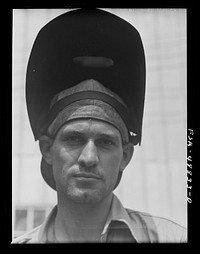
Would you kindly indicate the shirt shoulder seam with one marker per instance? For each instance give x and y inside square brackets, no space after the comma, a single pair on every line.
[130,211]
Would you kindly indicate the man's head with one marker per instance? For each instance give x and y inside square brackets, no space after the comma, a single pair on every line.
[86,66]
[86,147]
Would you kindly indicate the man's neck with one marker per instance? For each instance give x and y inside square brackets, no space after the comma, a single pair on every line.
[81,222]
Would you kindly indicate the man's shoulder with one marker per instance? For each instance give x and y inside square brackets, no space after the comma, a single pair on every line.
[29,237]
[149,217]
[165,229]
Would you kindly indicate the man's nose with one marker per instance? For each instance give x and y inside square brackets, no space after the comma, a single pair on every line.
[89,155]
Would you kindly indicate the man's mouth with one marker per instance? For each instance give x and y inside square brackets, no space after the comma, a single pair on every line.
[87,176]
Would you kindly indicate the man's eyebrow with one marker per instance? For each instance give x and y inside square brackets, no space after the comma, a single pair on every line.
[72,132]
[108,136]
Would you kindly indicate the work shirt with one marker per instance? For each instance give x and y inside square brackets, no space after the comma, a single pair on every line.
[122,225]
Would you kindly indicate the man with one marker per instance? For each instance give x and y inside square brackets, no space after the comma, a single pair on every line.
[85,90]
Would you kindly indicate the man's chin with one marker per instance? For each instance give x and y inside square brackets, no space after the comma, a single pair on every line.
[86,196]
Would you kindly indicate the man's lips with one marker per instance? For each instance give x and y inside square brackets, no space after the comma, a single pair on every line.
[87,176]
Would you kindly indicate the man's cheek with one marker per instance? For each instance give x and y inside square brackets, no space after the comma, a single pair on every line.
[59,157]
[61,169]
[112,169]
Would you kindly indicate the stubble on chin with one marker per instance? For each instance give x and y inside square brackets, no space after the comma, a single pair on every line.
[83,195]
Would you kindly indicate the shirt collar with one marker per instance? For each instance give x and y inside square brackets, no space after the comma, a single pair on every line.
[45,233]
[119,213]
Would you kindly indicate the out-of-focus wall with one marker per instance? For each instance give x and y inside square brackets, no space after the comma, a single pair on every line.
[155,179]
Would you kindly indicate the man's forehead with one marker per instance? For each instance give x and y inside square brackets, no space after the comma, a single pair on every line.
[90,126]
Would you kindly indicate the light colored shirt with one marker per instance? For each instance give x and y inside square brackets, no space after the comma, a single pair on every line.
[122,225]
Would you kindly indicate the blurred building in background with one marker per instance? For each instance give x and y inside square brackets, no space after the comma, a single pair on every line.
[155,179]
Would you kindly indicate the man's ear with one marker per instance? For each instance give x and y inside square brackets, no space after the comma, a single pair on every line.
[45,147]
[128,150]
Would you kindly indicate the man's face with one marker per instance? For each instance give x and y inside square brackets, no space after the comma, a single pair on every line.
[86,158]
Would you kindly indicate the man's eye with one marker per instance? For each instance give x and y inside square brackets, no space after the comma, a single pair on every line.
[74,139]
[104,142]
